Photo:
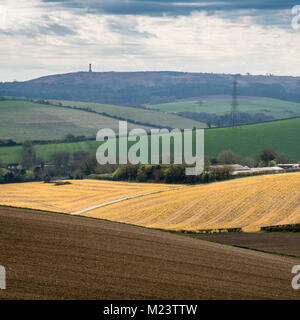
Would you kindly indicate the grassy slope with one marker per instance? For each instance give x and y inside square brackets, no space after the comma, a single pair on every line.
[139,115]
[282,136]
[44,152]
[247,140]
[22,120]
[220,105]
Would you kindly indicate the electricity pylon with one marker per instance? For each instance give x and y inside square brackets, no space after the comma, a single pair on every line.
[234,106]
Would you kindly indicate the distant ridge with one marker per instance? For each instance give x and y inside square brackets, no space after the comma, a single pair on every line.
[138,88]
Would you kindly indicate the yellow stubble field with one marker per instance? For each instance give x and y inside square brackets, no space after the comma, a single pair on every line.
[248,203]
[78,195]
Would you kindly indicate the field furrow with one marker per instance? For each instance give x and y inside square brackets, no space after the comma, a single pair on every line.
[247,203]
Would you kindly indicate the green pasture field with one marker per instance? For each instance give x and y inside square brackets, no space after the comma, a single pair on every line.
[278,109]
[248,140]
[23,120]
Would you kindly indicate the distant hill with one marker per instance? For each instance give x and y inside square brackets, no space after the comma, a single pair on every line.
[138,88]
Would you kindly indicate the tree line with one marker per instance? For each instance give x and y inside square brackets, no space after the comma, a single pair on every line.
[80,165]
[225,120]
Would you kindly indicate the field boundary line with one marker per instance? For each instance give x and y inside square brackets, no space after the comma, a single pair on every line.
[104,204]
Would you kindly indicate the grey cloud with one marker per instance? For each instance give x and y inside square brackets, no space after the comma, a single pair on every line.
[279,18]
[263,12]
[125,49]
[127,28]
[56,29]
[34,30]
[172,7]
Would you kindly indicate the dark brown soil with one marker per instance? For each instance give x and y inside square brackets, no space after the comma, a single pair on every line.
[287,243]
[53,256]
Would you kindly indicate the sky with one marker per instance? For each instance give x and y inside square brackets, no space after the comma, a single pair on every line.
[42,37]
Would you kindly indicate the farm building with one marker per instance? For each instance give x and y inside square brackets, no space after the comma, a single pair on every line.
[237,169]
[289,165]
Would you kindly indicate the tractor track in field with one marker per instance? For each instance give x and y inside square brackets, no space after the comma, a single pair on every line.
[104,204]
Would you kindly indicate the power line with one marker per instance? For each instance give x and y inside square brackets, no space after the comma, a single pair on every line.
[234,105]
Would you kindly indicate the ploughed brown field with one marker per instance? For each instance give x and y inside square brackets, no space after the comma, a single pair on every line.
[57,256]
[287,243]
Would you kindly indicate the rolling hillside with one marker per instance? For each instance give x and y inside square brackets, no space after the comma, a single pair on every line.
[137,88]
[248,140]
[54,256]
[282,136]
[247,203]
[219,105]
[138,115]
[80,194]
[23,120]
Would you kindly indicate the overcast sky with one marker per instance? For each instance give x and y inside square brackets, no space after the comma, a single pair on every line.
[41,37]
